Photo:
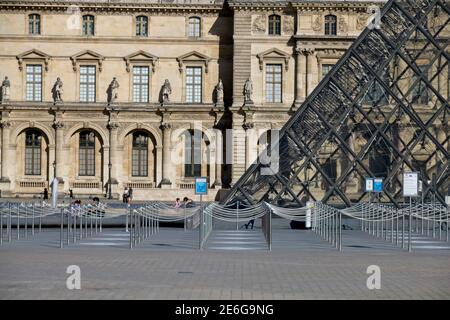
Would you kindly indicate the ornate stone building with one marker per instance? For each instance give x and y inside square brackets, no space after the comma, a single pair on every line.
[148,88]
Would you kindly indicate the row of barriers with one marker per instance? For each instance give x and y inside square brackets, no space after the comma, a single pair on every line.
[79,222]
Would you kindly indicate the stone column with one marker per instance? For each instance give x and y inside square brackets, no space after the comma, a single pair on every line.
[59,133]
[158,165]
[219,150]
[167,161]
[313,70]
[249,133]
[309,69]
[5,145]
[113,151]
[298,76]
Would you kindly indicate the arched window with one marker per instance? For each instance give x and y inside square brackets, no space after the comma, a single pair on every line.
[87,154]
[330,25]
[142,26]
[139,155]
[274,25]
[34,24]
[33,141]
[194,27]
[88,25]
[193,153]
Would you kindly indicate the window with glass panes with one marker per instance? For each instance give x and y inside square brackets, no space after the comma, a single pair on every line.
[193,84]
[140,84]
[34,83]
[376,94]
[88,25]
[420,91]
[87,83]
[34,24]
[273,82]
[274,24]
[142,26]
[326,68]
[330,25]
[87,153]
[194,27]
[33,141]
[139,155]
[193,153]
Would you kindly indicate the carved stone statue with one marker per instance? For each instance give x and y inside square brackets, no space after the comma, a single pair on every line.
[113,91]
[57,90]
[5,90]
[343,27]
[219,92]
[317,22]
[361,21]
[289,24]
[248,91]
[259,24]
[166,91]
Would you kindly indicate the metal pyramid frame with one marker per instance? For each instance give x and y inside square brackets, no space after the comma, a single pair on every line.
[387,95]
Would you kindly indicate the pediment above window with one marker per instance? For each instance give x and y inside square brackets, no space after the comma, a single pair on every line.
[273,54]
[193,56]
[87,56]
[33,55]
[140,57]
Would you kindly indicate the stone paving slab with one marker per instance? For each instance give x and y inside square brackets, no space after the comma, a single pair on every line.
[301,266]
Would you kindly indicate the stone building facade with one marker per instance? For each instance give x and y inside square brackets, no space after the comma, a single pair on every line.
[147,89]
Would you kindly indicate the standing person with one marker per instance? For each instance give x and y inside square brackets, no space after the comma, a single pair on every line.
[130,195]
[71,194]
[45,194]
[125,195]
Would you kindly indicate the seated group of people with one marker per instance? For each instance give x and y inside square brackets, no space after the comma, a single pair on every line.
[187,203]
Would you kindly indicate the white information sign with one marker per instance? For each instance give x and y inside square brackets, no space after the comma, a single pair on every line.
[369,184]
[410,184]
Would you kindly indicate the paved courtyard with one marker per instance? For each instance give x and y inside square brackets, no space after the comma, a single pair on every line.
[301,265]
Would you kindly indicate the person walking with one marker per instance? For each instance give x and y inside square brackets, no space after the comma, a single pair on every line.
[130,195]
[125,195]
[45,194]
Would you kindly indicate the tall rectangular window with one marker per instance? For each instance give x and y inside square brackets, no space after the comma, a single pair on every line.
[193,84]
[88,25]
[87,154]
[33,152]
[273,83]
[140,155]
[87,83]
[34,82]
[420,90]
[194,27]
[34,24]
[140,84]
[326,68]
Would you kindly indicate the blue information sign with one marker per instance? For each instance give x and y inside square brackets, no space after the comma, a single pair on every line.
[377,185]
[201,186]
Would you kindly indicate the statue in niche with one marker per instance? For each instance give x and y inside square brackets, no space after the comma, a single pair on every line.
[57,90]
[113,91]
[248,91]
[166,91]
[6,85]
[219,92]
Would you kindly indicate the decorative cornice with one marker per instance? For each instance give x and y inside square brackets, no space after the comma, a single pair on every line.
[193,56]
[87,55]
[118,6]
[140,56]
[33,54]
[270,54]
